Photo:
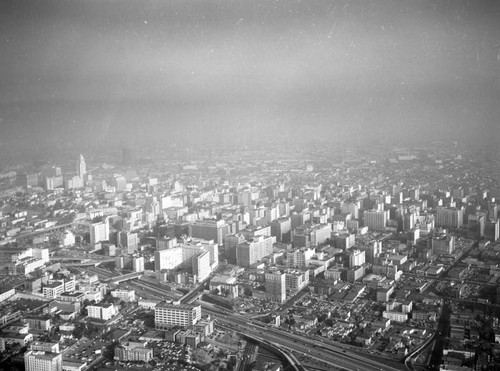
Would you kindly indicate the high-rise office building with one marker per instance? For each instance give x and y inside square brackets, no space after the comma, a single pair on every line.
[210,246]
[81,167]
[245,197]
[99,231]
[138,264]
[231,242]
[300,218]
[128,240]
[376,220]
[53,182]
[250,252]
[372,251]
[281,228]
[311,235]
[299,258]
[284,208]
[492,230]
[492,211]
[200,256]
[476,225]
[413,235]
[73,182]
[296,280]
[168,258]
[201,265]
[356,258]
[442,245]
[276,286]
[350,208]
[128,261]
[209,229]
[408,221]
[449,217]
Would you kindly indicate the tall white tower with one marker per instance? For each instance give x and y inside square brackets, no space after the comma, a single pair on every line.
[81,168]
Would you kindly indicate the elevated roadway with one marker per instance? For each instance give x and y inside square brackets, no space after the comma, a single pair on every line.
[125,277]
[337,357]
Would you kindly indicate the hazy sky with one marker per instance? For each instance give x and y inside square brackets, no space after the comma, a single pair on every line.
[128,70]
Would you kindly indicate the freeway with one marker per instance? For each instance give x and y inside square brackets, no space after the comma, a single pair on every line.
[248,357]
[42,231]
[338,357]
[152,291]
[335,356]
[125,277]
[411,358]
[79,260]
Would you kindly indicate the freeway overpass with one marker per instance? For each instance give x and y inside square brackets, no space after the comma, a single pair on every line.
[125,277]
[331,353]
[336,356]
[195,293]
[77,261]
[292,363]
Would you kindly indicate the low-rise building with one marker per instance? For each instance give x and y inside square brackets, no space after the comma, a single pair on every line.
[38,323]
[14,338]
[125,295]
[225,284]
[71,365]
[103,312]
[133,351]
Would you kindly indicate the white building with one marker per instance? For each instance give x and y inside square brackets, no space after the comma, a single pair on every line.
[224,284]
[296,280]
[69,239]
[125,295]
[168,258]
[356,258]
[133,351]
[99,231]
[251,252]
[69,365]
[53,290]
[138,264]
[104,312]
[81,167]
[38,360]
[299,258]
[173,314]
[41,253]
[201,265]
[7,294]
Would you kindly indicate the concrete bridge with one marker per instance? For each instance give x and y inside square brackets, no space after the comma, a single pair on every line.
[125,277]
